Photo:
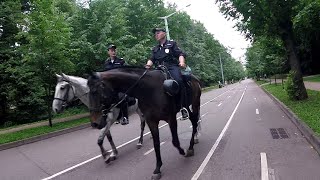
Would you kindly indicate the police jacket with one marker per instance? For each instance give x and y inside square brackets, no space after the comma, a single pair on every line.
[112,64]
[168,54]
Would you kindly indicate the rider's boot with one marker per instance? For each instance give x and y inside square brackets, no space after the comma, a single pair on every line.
[184,111]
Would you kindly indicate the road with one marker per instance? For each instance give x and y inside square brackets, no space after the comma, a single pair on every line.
[236,143]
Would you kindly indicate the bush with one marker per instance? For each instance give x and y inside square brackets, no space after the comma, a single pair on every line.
[292,87]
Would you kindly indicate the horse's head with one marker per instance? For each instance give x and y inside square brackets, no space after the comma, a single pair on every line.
[63,94]
[101,97]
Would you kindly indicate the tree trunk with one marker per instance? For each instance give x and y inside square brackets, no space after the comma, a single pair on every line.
[288,39]
[3,110]
[49,104]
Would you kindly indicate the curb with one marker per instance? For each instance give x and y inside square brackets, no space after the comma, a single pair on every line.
[302,126]
[42,137]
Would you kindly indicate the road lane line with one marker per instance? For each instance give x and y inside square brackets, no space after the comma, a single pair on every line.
[264,167]
[220,103]
[98,156]
[228,97]
[257,111]
[152,149]
[214,147]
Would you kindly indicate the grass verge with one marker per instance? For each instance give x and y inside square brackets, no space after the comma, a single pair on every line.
[68,112]
[307,110]
[32,132]
[315,78]
[206,89]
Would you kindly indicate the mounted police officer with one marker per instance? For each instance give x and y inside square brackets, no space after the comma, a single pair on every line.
[168,53]
[112,62]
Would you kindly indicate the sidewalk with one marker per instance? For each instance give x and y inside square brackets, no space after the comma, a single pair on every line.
[309,85]
[312,85]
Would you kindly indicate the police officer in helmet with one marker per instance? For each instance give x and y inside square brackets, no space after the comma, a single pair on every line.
[112,62]
[167,53]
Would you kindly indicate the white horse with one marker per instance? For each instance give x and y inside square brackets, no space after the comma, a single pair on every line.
[69,88]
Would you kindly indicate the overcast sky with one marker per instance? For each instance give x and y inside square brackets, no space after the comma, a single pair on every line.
[207,12]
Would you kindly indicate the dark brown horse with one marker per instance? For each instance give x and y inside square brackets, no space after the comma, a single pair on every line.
[154,102]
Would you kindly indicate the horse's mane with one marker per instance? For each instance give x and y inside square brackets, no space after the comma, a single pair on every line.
[127,68]
[79,81]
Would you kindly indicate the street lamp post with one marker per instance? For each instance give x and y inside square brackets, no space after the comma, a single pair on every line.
[221,69]
[166,20]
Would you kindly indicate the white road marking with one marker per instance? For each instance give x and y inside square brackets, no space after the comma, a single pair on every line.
[264,167]
[228,96]
[214,147]
[255,99]
[257,111]
[98,156]
[220,103]
[152,149]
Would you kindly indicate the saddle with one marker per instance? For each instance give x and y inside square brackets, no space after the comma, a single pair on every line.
[171,86]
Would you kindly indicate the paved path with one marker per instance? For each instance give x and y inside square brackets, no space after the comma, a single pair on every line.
[312,85]
[309,85]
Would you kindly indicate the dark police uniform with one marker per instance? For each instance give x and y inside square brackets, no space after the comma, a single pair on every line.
[168,55]
[116,63]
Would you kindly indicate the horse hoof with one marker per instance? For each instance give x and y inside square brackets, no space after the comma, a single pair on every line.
[196,141]
[139,145]
[107,161]
[112,158]
[156,176]
[189,153]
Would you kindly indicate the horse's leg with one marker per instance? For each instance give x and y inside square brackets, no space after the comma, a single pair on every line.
[142,126]
[175,139]
[194,118]
[113,155]
[104,153]
[153,125]
[112,117]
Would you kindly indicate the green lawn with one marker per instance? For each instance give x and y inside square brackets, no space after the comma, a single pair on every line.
[28,133]
[315,78]
[307,110]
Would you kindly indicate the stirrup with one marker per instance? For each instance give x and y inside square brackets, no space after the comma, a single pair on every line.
[185,114]
[124,121]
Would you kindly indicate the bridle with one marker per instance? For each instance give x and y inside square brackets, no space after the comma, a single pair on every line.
[65,97]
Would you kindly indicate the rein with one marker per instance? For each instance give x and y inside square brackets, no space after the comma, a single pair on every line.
[106,111]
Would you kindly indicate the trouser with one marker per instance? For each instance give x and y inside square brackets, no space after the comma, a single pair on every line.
[124,105]
[175,73]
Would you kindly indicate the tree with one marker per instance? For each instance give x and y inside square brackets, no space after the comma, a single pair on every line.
[270,18]
[47,53]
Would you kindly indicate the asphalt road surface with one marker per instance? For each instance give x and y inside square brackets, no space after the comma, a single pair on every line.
[244,136]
